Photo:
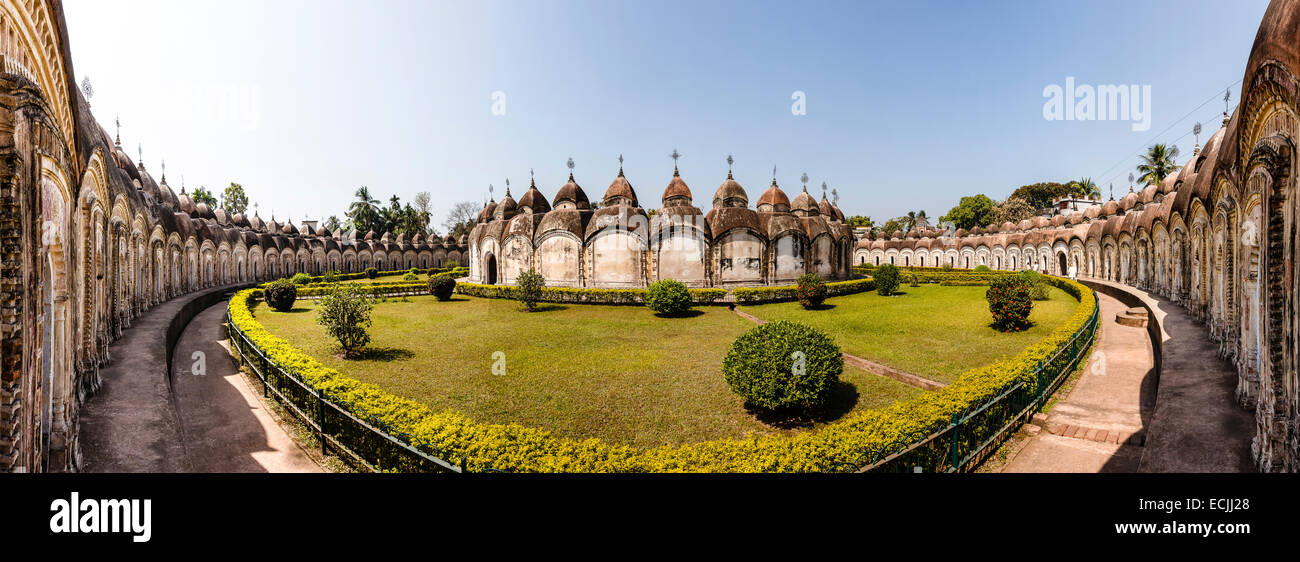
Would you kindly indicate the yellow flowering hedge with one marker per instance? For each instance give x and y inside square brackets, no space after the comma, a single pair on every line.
[516,448]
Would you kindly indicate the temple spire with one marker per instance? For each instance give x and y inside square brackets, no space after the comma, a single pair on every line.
[804,178]
[570,165]
[675,155]
[620,165]
[730,161]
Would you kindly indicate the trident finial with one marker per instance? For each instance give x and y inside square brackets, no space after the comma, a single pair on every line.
[804,178]
[570,165]
[490,189]
[675,155]
[507,187]
[823,190]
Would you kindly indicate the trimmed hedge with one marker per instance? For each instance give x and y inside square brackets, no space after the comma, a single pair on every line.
[513,447]
[325,279]
[783,293]
[581,296]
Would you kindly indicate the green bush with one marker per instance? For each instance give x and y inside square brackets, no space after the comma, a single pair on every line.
[668,297]
[886,277]
[811,290]
[281,294]
[783,366]
[913,280]
[759,295]
[331,276]
[411,276]
[582,296]
[530,284]
[301,279]
[1010,303]
[441,286]
[345,313]
[982,268]
[371,273]
[452,264]
[947,267]
[1037,285]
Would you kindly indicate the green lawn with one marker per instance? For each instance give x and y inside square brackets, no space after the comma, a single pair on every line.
[933,331]
[619,373]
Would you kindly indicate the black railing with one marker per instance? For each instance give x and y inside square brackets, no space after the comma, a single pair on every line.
[974,434]
[368,443]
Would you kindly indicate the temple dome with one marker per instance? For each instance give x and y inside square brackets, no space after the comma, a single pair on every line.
[730,194]
[533,200]
[572,193]
[805,204]
[620,188]
[774,197]
[677,191]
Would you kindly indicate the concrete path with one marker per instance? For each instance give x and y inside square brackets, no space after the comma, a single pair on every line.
[1122,416]
[1198,425]
[135,424]
[1098,427]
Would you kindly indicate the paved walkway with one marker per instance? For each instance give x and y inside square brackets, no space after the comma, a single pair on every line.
[212,423]
[1112,399]
[1121,416]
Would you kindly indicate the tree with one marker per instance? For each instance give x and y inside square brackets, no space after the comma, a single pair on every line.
[202,195]
[529,287]
[461,218]
[1040,195]
[233,199]
[1158,164]
[858,221]
[345,313]
[1085,188]
[423,206]
[893,225]
[1013,210]
[364,212]
[909,221]
[973,211]
[332,223]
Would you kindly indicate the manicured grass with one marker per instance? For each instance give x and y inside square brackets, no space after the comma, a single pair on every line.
[619,373]
[932,331]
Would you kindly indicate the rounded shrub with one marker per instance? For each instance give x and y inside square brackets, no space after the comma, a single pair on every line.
[668,297]
[886,277]
[982,268]
[811,290]
[441,286]
[783,366]
[913,280]
[301,279]
[281,294]
[410,276]
[331,276]
[530,284]
[1037,284]
[371,273]
[1009,302]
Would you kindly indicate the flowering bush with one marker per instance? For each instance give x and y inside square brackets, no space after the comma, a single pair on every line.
[811,290]
[1010,303]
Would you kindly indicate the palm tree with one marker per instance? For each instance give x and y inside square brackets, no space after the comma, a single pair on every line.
[364,212]
[1158,164]
[1085,188]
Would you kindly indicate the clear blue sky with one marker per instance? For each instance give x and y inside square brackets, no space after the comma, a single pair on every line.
[910,105]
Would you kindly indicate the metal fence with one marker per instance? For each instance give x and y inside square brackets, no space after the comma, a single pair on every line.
[365,442]
[975,433]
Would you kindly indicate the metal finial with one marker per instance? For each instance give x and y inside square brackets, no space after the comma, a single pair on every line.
[730,161]
[804,178]
[620,160]
[675,155]
[507,187]
[1227,97]
[1130,179]
[139,151]
[823,190]
[1112,191]
[570,165]
[87,89]
[1196,129]
[773,174]
[117,121]
[835,196]
[530,174]
[490,189]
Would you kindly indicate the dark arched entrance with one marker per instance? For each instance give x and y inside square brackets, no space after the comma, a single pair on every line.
[492,269]
[1060,258]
